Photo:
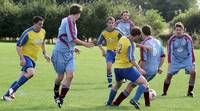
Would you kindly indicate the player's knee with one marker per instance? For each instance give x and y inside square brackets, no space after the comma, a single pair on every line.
[109,70]
[169,77]
[59,78]
[70,76]
[193,72]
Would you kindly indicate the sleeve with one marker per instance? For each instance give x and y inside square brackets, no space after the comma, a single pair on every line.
[131,56]
[71,30]
[131,24]
[162,52]
[101,39]
[116,23]
[120,35]
[23,39]
[143,54]
[191,49]
[170,50]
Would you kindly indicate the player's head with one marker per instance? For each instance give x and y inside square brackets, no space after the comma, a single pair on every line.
[75,9]
[136,34]
[146,30]
[38,22]
[110,22]
[179,28]
[125,15]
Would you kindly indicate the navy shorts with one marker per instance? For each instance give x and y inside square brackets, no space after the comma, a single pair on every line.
[29,64]
[110,56]
[131,74]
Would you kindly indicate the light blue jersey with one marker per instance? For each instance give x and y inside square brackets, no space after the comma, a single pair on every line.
[180,54]
[124,26]
[180,50]
[63,53]
[152,57]
[67,33]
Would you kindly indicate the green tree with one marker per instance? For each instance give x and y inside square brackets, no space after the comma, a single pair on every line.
[167,8]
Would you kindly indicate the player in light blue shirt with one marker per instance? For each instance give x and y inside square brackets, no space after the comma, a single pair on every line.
[125,24]
[63,53]
[180,56]
[151,61]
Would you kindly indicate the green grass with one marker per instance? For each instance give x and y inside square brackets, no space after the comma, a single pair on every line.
[89,90]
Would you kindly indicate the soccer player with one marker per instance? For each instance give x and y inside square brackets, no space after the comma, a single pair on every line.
[150,60]
[28,46]
[63,53]
[180,56]
[111,36]
[125,24]
[126,66]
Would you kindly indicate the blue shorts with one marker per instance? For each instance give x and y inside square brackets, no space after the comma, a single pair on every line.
[29,64]
[110,56]
[174,68]
[149,77]
[63,61]
[131,74]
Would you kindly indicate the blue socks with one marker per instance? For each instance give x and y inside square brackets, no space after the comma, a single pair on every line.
[109,78]
[16,84]
[111,96]
[139,92]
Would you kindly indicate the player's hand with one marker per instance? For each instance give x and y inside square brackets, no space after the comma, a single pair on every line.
[77,50]
[148,48]
[103,54]
[47,58]
[160,71]
[89,45]
[22,62]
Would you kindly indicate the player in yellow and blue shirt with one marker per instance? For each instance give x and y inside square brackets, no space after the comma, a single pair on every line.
[125,66]
[151,61]
[111,36]
[28,46]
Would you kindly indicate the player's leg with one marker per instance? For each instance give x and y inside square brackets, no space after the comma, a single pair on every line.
[59,66]
[66,84]
[57,83]
[67,81]
[119,81]
[143,86]
[123,95]
[109,74]
[167,84]
[148,77]
[172,70]
[27,72]
[192,73]
[113,92]
[110,58]
[134,75]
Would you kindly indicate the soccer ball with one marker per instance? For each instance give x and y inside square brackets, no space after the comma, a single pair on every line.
[152,94]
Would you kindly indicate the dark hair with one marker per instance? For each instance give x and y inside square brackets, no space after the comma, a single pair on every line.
[36,19]
[125,11]
[179,24]
[135,31]
[146,30]
[110,18]
[75,9]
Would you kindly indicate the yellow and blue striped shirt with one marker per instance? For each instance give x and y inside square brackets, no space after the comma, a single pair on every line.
[31,42]
[111,38]
[125,53]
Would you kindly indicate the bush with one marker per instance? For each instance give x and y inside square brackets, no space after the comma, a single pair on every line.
[191,20]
